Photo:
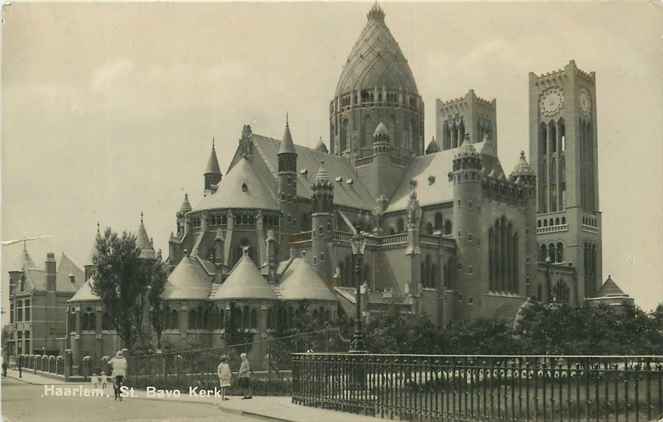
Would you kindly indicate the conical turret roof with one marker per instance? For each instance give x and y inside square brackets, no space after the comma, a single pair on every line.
[186,205]
[244,282]
[213,162]
[287,146]
[321,147]
[187,281]
[143,241]
[376,60]
[302,282]
[610,288]
[323,174]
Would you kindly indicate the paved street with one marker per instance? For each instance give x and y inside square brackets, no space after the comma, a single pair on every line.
[24,401]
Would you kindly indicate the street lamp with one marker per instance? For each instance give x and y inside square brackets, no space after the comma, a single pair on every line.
[548,284]
[358,243]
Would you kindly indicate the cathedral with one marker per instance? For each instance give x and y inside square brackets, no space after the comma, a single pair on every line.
[449,233]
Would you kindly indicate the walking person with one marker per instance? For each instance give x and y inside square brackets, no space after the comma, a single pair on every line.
[245,377]
[225,376]
[119,372]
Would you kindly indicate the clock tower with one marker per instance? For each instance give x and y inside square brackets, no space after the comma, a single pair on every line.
[563,140]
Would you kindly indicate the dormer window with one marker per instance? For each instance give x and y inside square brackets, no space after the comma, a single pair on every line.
[431,180]
[245,187]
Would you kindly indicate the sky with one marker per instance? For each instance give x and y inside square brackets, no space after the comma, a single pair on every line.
[109,109]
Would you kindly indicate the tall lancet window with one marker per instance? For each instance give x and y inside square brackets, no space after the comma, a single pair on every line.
[503,257]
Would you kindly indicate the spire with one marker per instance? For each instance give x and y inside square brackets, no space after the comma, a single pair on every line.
[376,13]
[186,205]
[143,241]
[287,146]
[321,147]
[213,162]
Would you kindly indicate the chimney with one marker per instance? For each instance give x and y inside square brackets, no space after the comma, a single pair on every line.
[50,271]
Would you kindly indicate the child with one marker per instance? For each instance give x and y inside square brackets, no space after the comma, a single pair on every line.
[94,380]
[225,376]
[103,379]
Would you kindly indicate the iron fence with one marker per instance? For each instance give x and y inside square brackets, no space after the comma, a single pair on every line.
[482,388]
[271,361]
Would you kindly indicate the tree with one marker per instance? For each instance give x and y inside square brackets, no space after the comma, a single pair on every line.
[158,276]
[395,332]
[121,281]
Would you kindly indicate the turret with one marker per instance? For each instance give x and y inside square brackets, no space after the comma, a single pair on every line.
[287,186]
[467,193]
[143,241]
[524,174]
[181,215]
[212,175]
[322,230]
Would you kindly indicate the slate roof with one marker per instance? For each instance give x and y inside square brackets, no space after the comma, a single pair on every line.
[376,60]
[244,282]
[354,195]
[232,194]
[213,162]
[610,288]
[421,168]
[85,293]
[143,241]
[188,281]
[301,282]
[287,146]
[35,278]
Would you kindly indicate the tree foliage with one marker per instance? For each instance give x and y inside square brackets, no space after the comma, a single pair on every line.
[121,281]
[543,329]
[158,276]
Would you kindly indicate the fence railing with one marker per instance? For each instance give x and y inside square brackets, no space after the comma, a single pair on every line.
[271,362]
[483,388]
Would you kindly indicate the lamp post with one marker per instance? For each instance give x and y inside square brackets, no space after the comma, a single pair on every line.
[358,242]
[548,284]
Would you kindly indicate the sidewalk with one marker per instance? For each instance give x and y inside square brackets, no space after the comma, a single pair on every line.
[275,408]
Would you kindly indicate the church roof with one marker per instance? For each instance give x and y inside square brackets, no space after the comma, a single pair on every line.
[287,146]
[240,188]
[431,172]
[354,195]
[212,166]
[610,288]
[321,147]
[433,147]
[143,241]
[187,281]
[244,282]
[376,60]
[85,293]
[301,282]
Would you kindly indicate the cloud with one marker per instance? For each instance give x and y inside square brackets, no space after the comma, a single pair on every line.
[106,76]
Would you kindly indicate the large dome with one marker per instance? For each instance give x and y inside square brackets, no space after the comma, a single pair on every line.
[376,60]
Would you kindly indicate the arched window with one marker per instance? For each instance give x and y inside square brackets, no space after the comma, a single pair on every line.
[553,137]
[429,228]
[542,253]
[551,252]
[503,259]
[560,252]
[400,225]
[246,318]
[438,221]
[543,138]
[447,227]
[561,292]
[254,318]
[561,134]
[89,321]
[344,136]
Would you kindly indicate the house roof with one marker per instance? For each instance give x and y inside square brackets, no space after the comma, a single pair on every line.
[354,194]
[188,281]
[240,188]
[24,260]
[244,282]
[301,282]
[35,278]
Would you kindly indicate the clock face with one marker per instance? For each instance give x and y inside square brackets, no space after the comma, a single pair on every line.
[551,101]
[585,101]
